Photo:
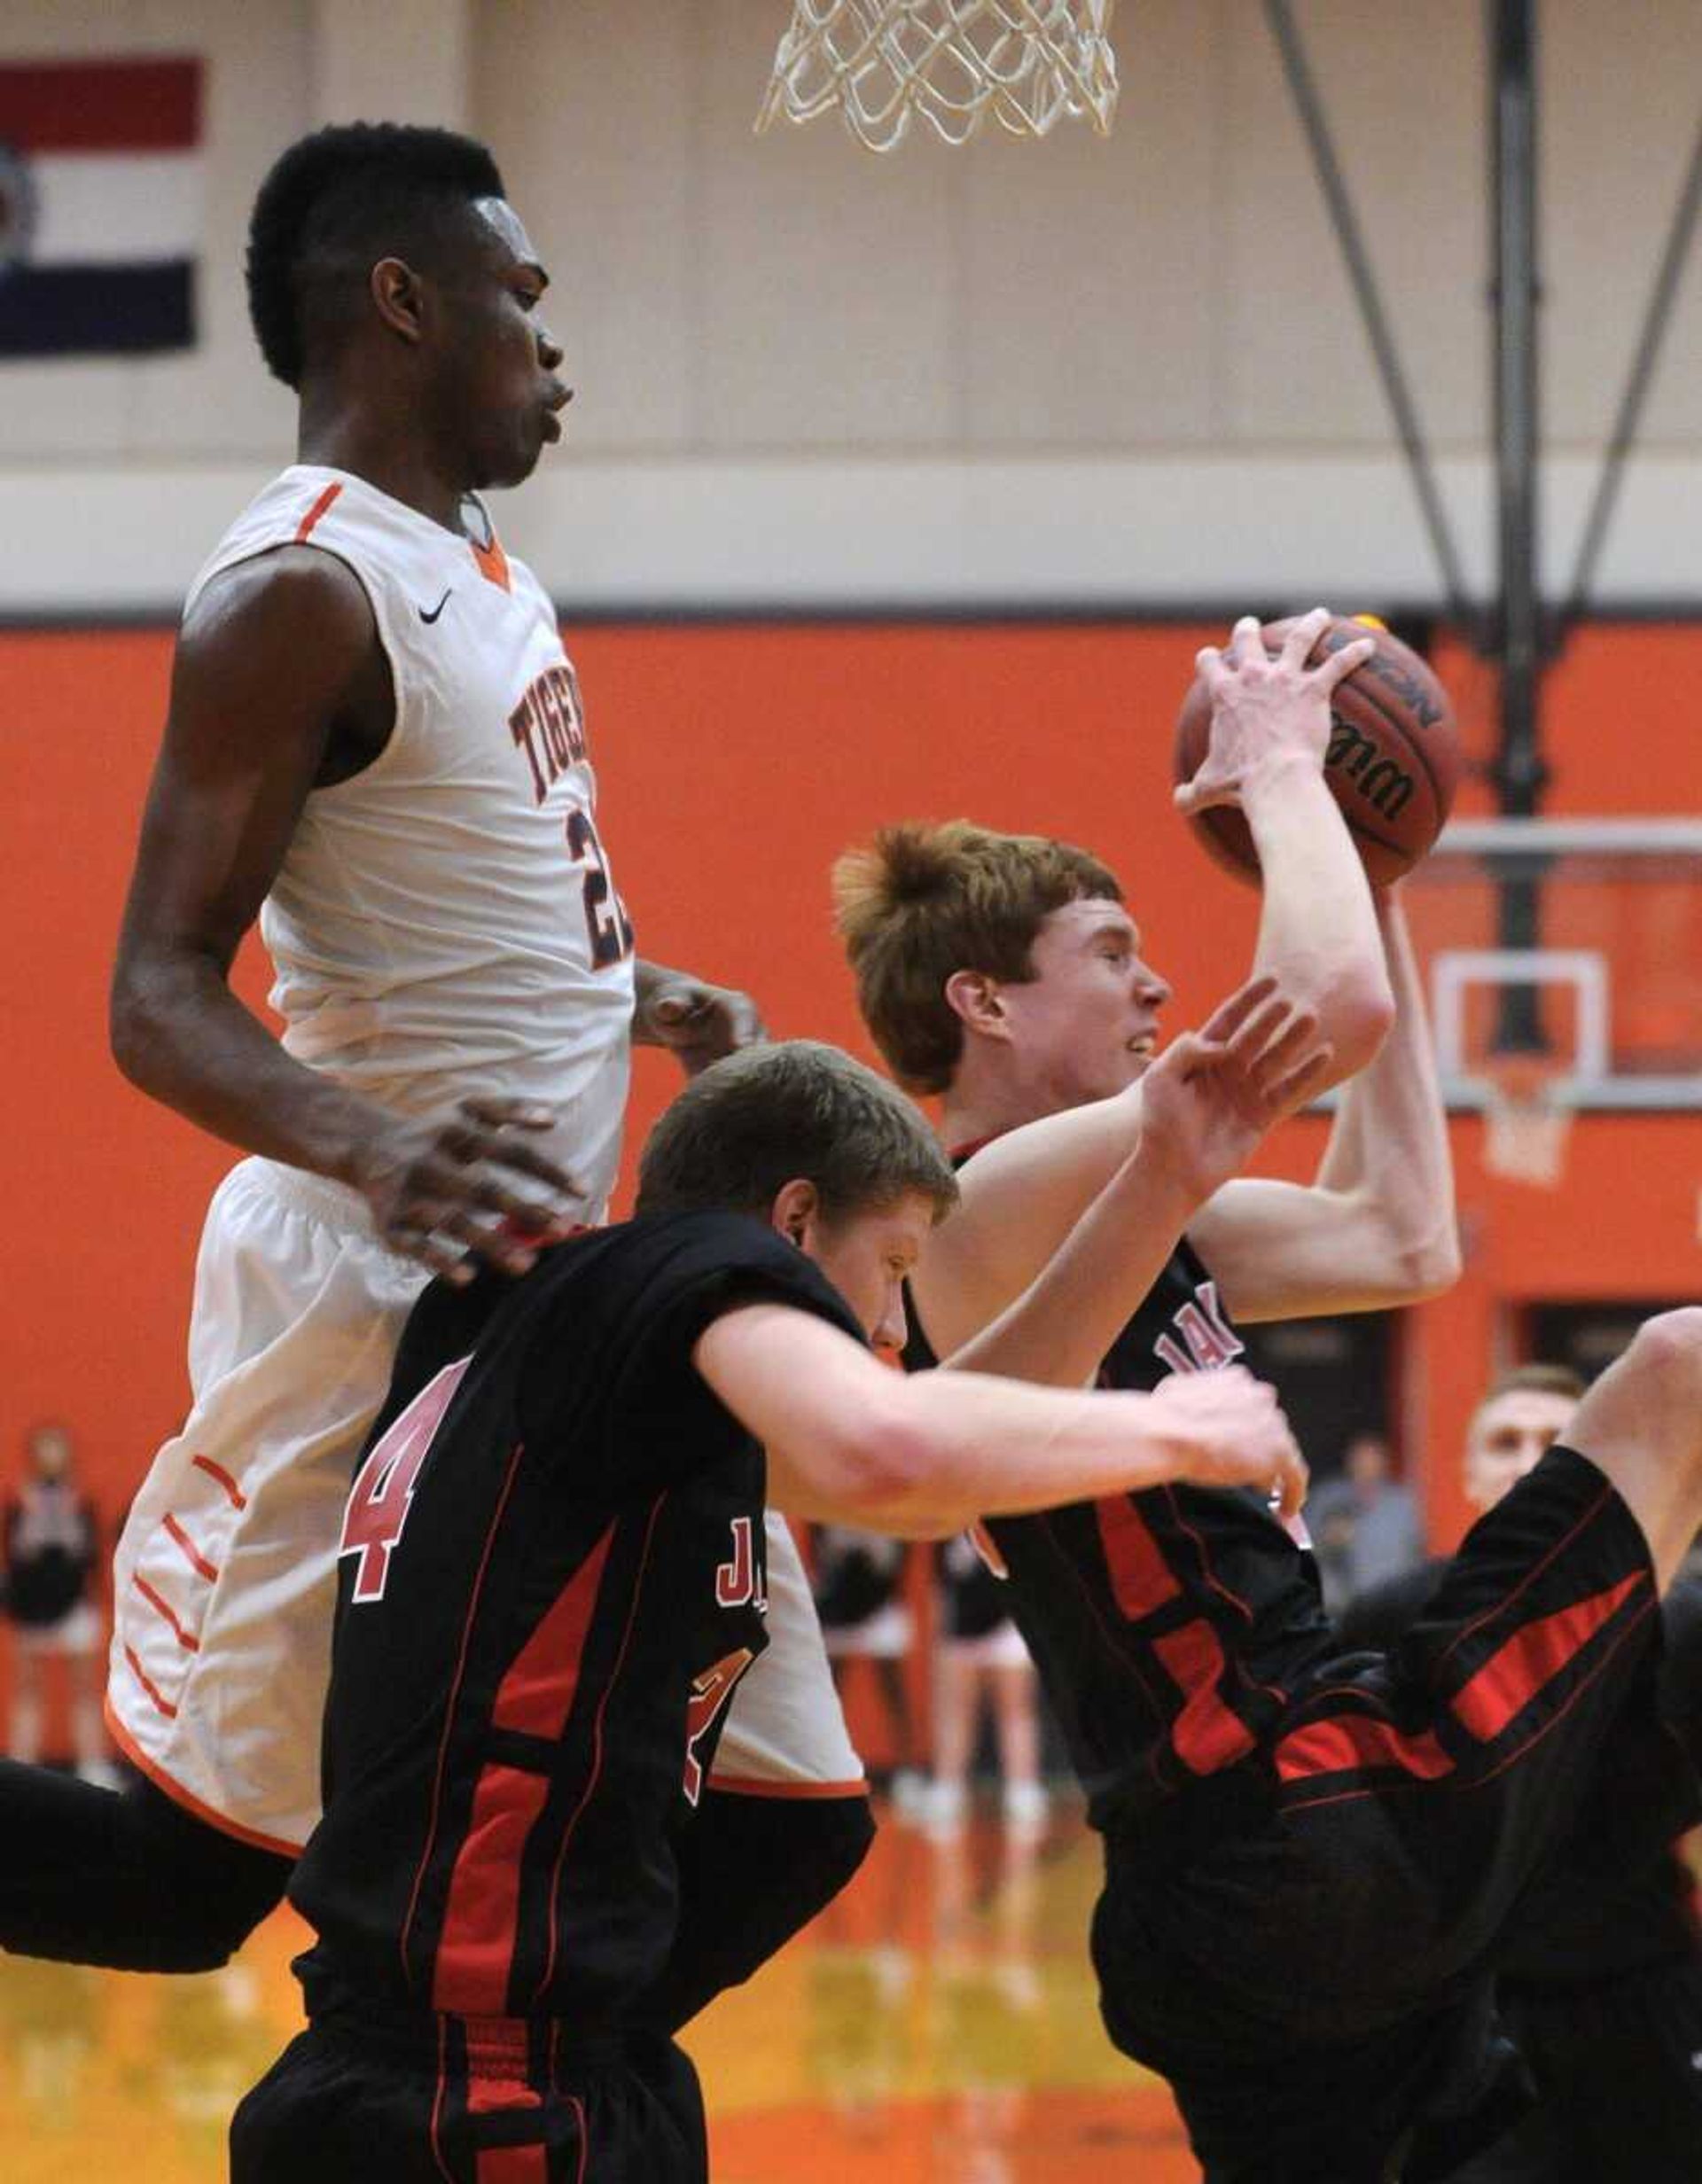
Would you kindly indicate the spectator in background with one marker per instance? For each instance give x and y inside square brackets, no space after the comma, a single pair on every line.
[859,1586]
[1601,1978]
[1366,1525]
[52,1545]
[981,1657]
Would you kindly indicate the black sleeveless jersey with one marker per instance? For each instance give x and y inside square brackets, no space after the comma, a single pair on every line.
[552,1578]
[1166,1625]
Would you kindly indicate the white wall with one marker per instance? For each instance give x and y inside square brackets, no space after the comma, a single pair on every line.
[1075,371]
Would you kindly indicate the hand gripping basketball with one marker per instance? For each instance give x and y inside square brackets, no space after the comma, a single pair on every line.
[1391,751]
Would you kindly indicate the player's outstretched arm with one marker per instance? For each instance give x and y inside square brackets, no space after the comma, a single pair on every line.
[279,684]
[850,1441]
[1268,738]
[1378,1228]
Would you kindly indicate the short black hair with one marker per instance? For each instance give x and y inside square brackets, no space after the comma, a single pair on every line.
[768,1114]
[332,205]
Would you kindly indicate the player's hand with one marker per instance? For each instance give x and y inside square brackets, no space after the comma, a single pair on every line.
[455,1189]
[1266,714]
[1226,1429]
[1213,1093]
[698,1023]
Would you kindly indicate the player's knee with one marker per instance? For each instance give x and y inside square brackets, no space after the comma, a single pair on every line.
[1663,1375]
[1667,1348]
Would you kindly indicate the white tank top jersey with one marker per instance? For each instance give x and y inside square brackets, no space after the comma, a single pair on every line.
[445,924]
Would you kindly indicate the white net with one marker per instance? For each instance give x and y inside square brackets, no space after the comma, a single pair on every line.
[955,63]
[1527,1123]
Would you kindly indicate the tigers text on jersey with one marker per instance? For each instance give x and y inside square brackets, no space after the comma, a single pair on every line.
[552,1579]
[444,923]
[1167,1624]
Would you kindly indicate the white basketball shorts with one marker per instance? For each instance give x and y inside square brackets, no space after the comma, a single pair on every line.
[225,1577]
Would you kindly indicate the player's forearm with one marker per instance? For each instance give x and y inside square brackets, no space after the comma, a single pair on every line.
[1060,1328]
[956,1445]
[1390,1144]
[1317,927]
[181,1035]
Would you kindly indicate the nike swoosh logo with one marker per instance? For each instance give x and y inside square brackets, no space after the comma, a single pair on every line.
[438,608]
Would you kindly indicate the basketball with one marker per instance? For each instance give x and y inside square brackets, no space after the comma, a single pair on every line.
[1393,760]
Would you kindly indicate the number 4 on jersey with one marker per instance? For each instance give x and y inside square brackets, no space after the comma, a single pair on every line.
[384,1488]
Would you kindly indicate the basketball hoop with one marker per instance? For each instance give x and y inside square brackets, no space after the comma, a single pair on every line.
[1527,1122]
[1027,63]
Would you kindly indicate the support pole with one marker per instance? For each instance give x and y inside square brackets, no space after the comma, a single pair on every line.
[1340,205]
[1520,773]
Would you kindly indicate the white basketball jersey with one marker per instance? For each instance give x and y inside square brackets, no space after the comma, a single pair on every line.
[445,922]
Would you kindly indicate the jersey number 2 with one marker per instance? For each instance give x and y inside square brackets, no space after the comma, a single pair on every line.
[384,1488]
[605,915]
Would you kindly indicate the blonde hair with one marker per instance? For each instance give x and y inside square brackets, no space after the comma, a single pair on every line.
[1530,1380]
[922,901]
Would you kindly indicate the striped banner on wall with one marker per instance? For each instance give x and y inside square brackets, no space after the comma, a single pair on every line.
[100,206]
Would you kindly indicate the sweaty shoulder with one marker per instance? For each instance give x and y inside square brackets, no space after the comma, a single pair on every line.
[286,643]
[294,596]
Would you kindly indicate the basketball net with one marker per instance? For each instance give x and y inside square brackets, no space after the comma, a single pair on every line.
[1026,63]
[1526,1123]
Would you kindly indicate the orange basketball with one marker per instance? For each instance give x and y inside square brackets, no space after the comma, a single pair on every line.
[1394,760]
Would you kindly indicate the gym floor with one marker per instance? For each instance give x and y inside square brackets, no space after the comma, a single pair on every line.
[936,2026]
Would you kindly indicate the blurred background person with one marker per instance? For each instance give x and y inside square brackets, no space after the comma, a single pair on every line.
[1365,1525]
[51,1542]
[981,1662]
[859,1583]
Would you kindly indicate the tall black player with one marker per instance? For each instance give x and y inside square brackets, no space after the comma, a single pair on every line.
[1309,1856]
[552,1579]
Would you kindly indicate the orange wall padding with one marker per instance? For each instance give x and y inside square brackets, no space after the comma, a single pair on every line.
[735,761]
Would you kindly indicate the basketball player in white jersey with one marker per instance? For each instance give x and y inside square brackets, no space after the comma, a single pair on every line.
[376,749]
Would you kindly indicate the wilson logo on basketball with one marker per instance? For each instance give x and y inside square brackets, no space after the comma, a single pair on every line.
[1376,778]
[1420,700]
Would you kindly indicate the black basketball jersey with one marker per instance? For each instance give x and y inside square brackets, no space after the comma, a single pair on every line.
[1166,1625]
[552,1578]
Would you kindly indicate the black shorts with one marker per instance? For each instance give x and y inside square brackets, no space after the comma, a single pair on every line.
[1307,1955]
[1618,2068]
[342,2105]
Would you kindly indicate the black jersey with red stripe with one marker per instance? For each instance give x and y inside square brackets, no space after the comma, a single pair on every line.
[1168,1625]
[552,1578]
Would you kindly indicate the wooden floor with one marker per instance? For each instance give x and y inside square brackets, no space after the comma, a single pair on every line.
[936,2026]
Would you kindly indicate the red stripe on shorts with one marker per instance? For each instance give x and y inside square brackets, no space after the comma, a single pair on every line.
[137,1671]
[203,1568]
[1346,1742]
[216,1471]
[1206,1735]
[1532,1657]
[475,1952]
[186,1639]
[514,2164]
